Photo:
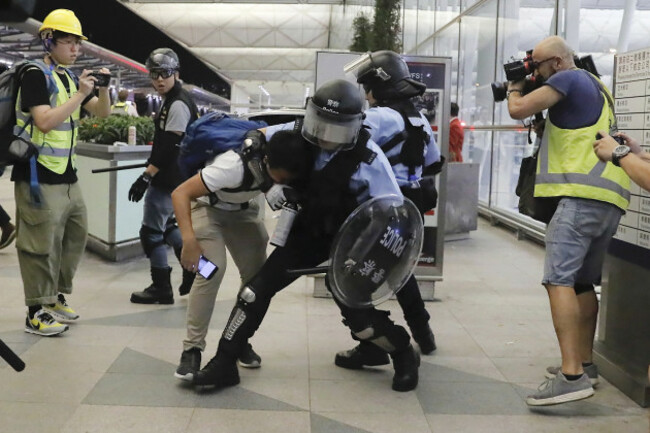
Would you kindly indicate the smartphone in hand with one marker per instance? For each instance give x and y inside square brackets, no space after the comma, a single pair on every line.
[207,269]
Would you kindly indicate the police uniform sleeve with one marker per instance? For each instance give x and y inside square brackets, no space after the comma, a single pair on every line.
[270,130]
[432,152]
[374,179]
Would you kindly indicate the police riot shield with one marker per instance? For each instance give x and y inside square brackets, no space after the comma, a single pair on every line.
[375,251]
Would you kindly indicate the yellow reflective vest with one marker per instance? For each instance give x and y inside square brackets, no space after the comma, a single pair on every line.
[57,146]
[567,165]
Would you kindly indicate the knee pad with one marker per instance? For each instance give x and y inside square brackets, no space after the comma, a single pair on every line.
[583,288]
[150,239]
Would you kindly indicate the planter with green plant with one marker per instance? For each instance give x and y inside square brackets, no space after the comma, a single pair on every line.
[115,128]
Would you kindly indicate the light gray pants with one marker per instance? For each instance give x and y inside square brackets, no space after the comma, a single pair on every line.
[50,240]
[245,236]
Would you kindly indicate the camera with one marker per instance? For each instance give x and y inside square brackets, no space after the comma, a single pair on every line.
[516,71]
[499,90]
[616,138]
[519,69]
[102,79]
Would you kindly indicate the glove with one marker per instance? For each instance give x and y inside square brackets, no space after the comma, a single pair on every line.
[139,187]
[276,196]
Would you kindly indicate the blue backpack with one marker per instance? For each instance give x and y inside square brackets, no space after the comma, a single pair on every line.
[209,136]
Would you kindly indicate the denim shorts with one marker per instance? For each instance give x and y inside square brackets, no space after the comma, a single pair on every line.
[576,241]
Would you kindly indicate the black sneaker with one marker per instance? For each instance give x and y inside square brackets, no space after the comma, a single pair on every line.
[190,364]
[363,355]
[249,359]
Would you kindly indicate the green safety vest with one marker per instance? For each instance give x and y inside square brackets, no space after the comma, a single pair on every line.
[567,165]
[57,146]
[120,106]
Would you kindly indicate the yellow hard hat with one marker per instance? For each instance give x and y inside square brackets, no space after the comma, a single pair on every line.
[63,20]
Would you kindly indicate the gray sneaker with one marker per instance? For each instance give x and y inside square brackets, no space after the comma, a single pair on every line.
[591,371]
[561,390]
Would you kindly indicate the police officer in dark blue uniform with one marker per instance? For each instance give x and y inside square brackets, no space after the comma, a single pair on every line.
[406,138]
[349,169]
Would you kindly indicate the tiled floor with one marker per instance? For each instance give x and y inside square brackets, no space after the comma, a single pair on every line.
[112,371]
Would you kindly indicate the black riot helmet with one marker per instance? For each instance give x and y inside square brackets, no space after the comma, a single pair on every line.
[386,74]
[334,115]
[163,59]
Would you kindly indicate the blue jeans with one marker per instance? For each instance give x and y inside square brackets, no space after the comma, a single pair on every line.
[159,219]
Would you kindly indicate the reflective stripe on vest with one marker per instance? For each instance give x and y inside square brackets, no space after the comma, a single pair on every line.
[568,166]
[58,145]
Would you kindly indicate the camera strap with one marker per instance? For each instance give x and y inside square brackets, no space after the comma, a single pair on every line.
[613,124]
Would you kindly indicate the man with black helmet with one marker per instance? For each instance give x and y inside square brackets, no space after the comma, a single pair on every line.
[161,177]
[52,223]
[349,169]
[406,138]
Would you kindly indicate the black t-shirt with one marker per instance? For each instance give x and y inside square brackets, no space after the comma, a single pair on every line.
[33,91]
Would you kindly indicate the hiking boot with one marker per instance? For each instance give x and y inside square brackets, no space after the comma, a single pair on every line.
[186,284]
[61,310]
[190,364]
[8,235]
[249,359]
[44,324]
[218,372]
[406,363]
[561,390]
[159,292]
[590,370]
[363,355]
[424,337]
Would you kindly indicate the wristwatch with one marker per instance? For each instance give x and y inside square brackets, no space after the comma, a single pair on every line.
[618,153]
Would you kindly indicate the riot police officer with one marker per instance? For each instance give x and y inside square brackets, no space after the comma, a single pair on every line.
[161,177]
[349,169]
[406,138]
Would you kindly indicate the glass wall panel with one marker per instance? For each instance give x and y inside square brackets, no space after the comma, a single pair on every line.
[510,147]
[467,4]
[409,25]
[477,56]
[446,45]
[479,147]
[425,27]
[446,10]
[522,24]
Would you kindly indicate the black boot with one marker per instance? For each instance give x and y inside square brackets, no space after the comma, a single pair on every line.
[406,363]
[423,335]
[219,372]
[365,354]
[159,292]
[186,284]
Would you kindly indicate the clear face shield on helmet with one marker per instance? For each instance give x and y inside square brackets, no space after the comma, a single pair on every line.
[328,130]
[363,69]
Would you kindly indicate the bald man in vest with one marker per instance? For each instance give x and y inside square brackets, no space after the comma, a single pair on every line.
[592,195]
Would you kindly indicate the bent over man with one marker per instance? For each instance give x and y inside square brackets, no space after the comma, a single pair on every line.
[349,169]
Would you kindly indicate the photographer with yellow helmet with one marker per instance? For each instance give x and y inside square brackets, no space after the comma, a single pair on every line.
[50,210]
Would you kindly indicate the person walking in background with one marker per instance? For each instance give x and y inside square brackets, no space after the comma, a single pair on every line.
[122,106]
[456,135]
[160,178]
[50,211]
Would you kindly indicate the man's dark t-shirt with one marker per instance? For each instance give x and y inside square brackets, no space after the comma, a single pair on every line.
[582,102]
[34,92]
